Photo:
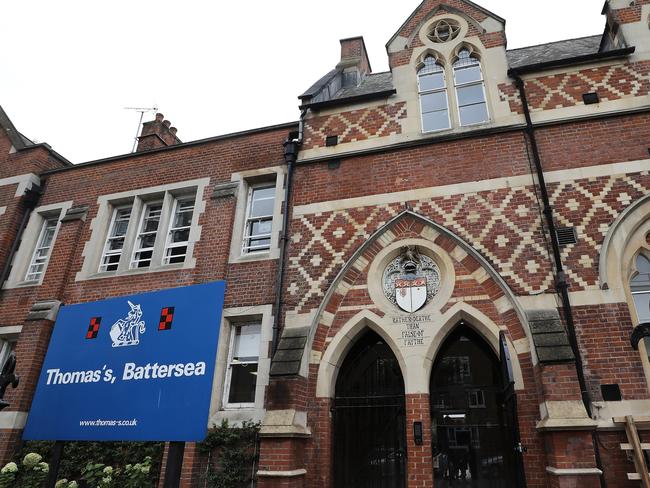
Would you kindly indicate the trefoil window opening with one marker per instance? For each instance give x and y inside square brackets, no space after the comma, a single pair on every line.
[42,251]
[243,360]
[146,239]
[179,231]
[434,106]
[470,89]
[115,241]
[259,219]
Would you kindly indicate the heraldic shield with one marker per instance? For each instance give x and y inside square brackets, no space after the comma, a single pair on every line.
[411,294]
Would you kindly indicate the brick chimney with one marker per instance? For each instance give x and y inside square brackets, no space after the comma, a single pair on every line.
[354,61]
[156,134]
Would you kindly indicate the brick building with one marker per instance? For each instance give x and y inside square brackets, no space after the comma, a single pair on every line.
[436,273]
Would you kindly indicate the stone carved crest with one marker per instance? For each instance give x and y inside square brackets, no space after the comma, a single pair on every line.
[411,279]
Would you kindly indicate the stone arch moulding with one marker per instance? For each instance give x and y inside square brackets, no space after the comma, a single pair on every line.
[441,11]
[416,371]
[614,247]
[433,229]
[338,349]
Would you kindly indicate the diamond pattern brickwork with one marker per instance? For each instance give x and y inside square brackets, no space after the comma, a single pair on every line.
[504,225]
[355,125]
[562,90]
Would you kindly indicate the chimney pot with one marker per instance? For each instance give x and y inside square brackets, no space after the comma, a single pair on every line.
[173,130]
[159,117]
[167,123]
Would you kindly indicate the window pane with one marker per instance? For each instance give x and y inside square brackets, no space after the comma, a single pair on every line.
[183,219]
[432,102]
[473,114]
[247,342]
[435,120]
[467,75]
[469,95]
[433,81]
[242,383]
[180,235]
[176,254]
[642,305]
[116,244]
[261,227]
[262,202]
[119,229]
[642,264]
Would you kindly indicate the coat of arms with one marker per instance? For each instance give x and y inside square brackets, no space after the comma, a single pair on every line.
[126,331]
[411,280]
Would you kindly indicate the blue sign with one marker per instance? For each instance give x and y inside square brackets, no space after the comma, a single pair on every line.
[135,368]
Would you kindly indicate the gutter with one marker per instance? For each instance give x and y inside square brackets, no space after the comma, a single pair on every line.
[561,284]
[291,148]
[558,63]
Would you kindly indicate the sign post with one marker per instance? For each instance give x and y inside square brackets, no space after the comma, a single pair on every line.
[133,368]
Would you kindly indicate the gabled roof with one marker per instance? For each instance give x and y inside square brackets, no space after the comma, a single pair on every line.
[328,90]
[553,51]
[417,9]
[18,141]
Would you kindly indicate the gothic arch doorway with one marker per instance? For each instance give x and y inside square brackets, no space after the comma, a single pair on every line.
[473,419]
[369,448]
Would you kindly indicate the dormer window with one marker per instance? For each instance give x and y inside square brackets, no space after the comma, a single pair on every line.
[432,88]
[470,89]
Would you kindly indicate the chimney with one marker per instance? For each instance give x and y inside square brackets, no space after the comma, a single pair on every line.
[156,134]
[354,61]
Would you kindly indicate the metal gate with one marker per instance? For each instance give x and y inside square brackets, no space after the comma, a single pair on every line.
[473,414]
[369,448]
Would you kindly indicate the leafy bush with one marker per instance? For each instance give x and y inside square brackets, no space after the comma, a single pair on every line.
[77,455]
[231,452]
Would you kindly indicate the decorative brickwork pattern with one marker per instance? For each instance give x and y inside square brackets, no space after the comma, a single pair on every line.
[355,125]
[504,225]
[562,90]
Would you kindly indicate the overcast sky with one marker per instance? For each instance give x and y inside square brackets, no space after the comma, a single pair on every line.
[68,68]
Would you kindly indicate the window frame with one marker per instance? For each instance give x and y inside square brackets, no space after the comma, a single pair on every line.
[234,326]
[39,246]
[140,200]
[444,90]
[245,180]
[248,236]
[31,236]
[480,82]
[170,229]
[108,237]
[140,232]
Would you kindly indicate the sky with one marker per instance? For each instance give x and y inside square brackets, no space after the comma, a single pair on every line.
[68,68]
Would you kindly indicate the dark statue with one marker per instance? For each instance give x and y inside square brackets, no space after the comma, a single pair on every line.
[8,377]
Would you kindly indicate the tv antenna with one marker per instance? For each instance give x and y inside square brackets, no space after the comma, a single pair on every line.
[142,111]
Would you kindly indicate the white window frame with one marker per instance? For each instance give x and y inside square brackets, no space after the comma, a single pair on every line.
[36,276]
[173,245]
[246,180]
[105,252]
[471,83]
[435,90]
[101,225]
[247,248]
[231,349]
[135,259]
[31,237]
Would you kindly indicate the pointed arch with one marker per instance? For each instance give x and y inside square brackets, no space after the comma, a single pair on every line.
[480,323]
[431,231]
[341,344]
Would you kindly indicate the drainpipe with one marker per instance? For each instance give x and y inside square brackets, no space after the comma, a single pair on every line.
[32,197]
[561,284]
[291,148]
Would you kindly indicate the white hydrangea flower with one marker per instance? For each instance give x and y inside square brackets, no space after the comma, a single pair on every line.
[32,459]
[9,468]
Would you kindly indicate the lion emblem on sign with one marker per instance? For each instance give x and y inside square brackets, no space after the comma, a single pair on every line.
[126,331]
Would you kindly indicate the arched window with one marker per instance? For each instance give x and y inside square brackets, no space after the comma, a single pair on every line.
[640,289]
[433,96]
[470,91]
